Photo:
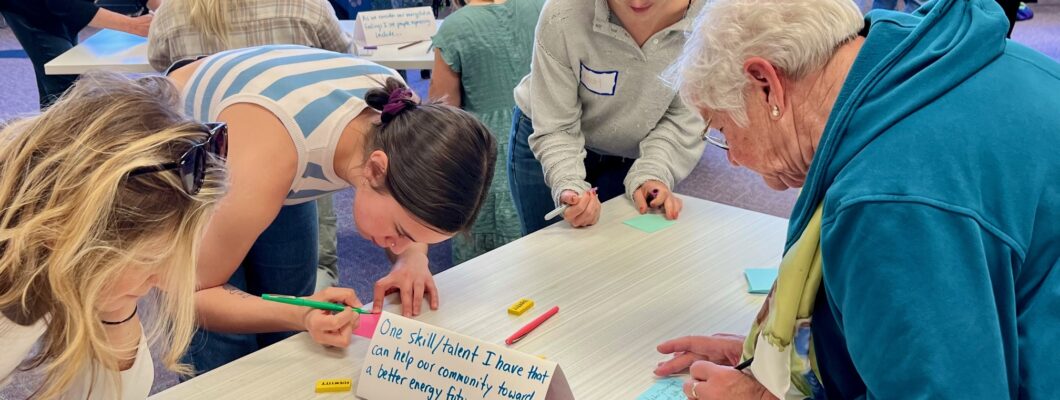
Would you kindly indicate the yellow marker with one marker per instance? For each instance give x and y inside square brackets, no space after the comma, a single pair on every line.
[334,385]
[521,306]
[541,356]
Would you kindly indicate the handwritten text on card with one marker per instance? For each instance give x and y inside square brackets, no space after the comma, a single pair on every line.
[421,361]
[403,25]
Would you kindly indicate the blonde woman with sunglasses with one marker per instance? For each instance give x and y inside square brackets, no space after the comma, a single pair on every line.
[102,200]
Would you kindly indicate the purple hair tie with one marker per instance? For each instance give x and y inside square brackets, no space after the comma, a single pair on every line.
[399,100]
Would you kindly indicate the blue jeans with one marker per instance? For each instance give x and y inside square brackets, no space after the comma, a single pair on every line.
[42,46]
[282,261]
[532,196]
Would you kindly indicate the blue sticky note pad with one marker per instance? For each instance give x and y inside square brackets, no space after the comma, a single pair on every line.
[650,223]
[665,389]
[760,280]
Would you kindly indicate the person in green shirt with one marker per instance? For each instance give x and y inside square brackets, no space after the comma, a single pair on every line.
[481,52]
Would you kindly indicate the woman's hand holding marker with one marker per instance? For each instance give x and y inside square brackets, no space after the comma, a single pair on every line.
[332,329]
[721,349]
[582,210]
[711,362]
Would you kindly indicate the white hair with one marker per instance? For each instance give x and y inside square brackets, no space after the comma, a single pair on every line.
[797,36]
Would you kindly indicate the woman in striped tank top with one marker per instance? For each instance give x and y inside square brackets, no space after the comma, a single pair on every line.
[303,123]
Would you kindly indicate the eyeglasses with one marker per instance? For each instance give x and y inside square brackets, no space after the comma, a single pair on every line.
[715,139]
[192,164]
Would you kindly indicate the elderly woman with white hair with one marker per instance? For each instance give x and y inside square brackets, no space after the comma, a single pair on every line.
[923,255]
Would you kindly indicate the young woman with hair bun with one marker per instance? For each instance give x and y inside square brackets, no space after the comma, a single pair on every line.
[303,123]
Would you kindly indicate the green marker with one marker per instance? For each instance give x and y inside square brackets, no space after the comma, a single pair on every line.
[320,305]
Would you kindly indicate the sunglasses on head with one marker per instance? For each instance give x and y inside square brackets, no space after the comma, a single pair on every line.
[192,164]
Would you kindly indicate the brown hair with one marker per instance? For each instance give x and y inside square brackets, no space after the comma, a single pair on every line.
[72,220]
[441,159]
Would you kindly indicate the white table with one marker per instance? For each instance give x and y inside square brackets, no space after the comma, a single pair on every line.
[620,293]
[123,52]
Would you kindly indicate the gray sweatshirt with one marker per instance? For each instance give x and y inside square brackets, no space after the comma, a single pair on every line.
[590,86]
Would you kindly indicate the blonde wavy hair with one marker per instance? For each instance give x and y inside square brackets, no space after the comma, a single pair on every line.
[209,16]
[72,221]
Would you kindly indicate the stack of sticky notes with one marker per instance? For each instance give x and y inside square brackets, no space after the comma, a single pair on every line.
[760,280]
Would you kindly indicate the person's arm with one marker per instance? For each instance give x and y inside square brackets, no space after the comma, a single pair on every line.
[75,14]
[445,83]
[556,111]
[260,174]
[667,155]
[330,35]
[105,18]
[261,167]
[445,79]
[154,4]
[916,290]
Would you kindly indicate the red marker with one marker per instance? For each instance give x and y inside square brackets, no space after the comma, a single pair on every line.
[518,335]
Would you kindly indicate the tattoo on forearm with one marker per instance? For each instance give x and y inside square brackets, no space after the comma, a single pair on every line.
[236,291]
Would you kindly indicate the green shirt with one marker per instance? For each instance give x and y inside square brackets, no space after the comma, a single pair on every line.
[490,46]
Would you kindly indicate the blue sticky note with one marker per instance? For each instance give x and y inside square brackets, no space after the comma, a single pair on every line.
[760,280]
[650,223]
[665,389]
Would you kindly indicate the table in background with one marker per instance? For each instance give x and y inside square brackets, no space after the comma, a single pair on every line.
[118,51]
[620,292]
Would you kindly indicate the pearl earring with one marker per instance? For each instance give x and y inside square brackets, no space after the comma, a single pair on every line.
[775,112]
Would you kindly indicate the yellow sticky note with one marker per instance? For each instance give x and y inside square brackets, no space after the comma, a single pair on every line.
[334,385]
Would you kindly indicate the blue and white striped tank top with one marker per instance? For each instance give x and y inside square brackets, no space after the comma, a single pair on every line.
[315,93]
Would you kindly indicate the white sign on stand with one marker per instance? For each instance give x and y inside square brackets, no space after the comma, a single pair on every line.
[408,359]
[402,25]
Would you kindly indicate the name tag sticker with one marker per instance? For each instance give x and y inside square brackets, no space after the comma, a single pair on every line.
[600,82]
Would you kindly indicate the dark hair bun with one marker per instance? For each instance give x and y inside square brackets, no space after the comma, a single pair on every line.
[379,98]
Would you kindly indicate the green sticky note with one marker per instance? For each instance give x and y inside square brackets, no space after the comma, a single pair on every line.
[650,223]
[760,280]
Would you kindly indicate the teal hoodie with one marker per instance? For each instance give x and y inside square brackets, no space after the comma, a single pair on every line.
[939,171]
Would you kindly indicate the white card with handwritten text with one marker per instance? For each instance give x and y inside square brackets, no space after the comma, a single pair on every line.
[408,359]
[402,25]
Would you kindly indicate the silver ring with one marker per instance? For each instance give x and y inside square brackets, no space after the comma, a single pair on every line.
[694,394]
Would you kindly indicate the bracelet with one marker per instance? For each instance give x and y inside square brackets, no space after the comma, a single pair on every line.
[105,322]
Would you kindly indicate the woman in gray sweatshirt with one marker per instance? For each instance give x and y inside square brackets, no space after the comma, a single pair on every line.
[594,111]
